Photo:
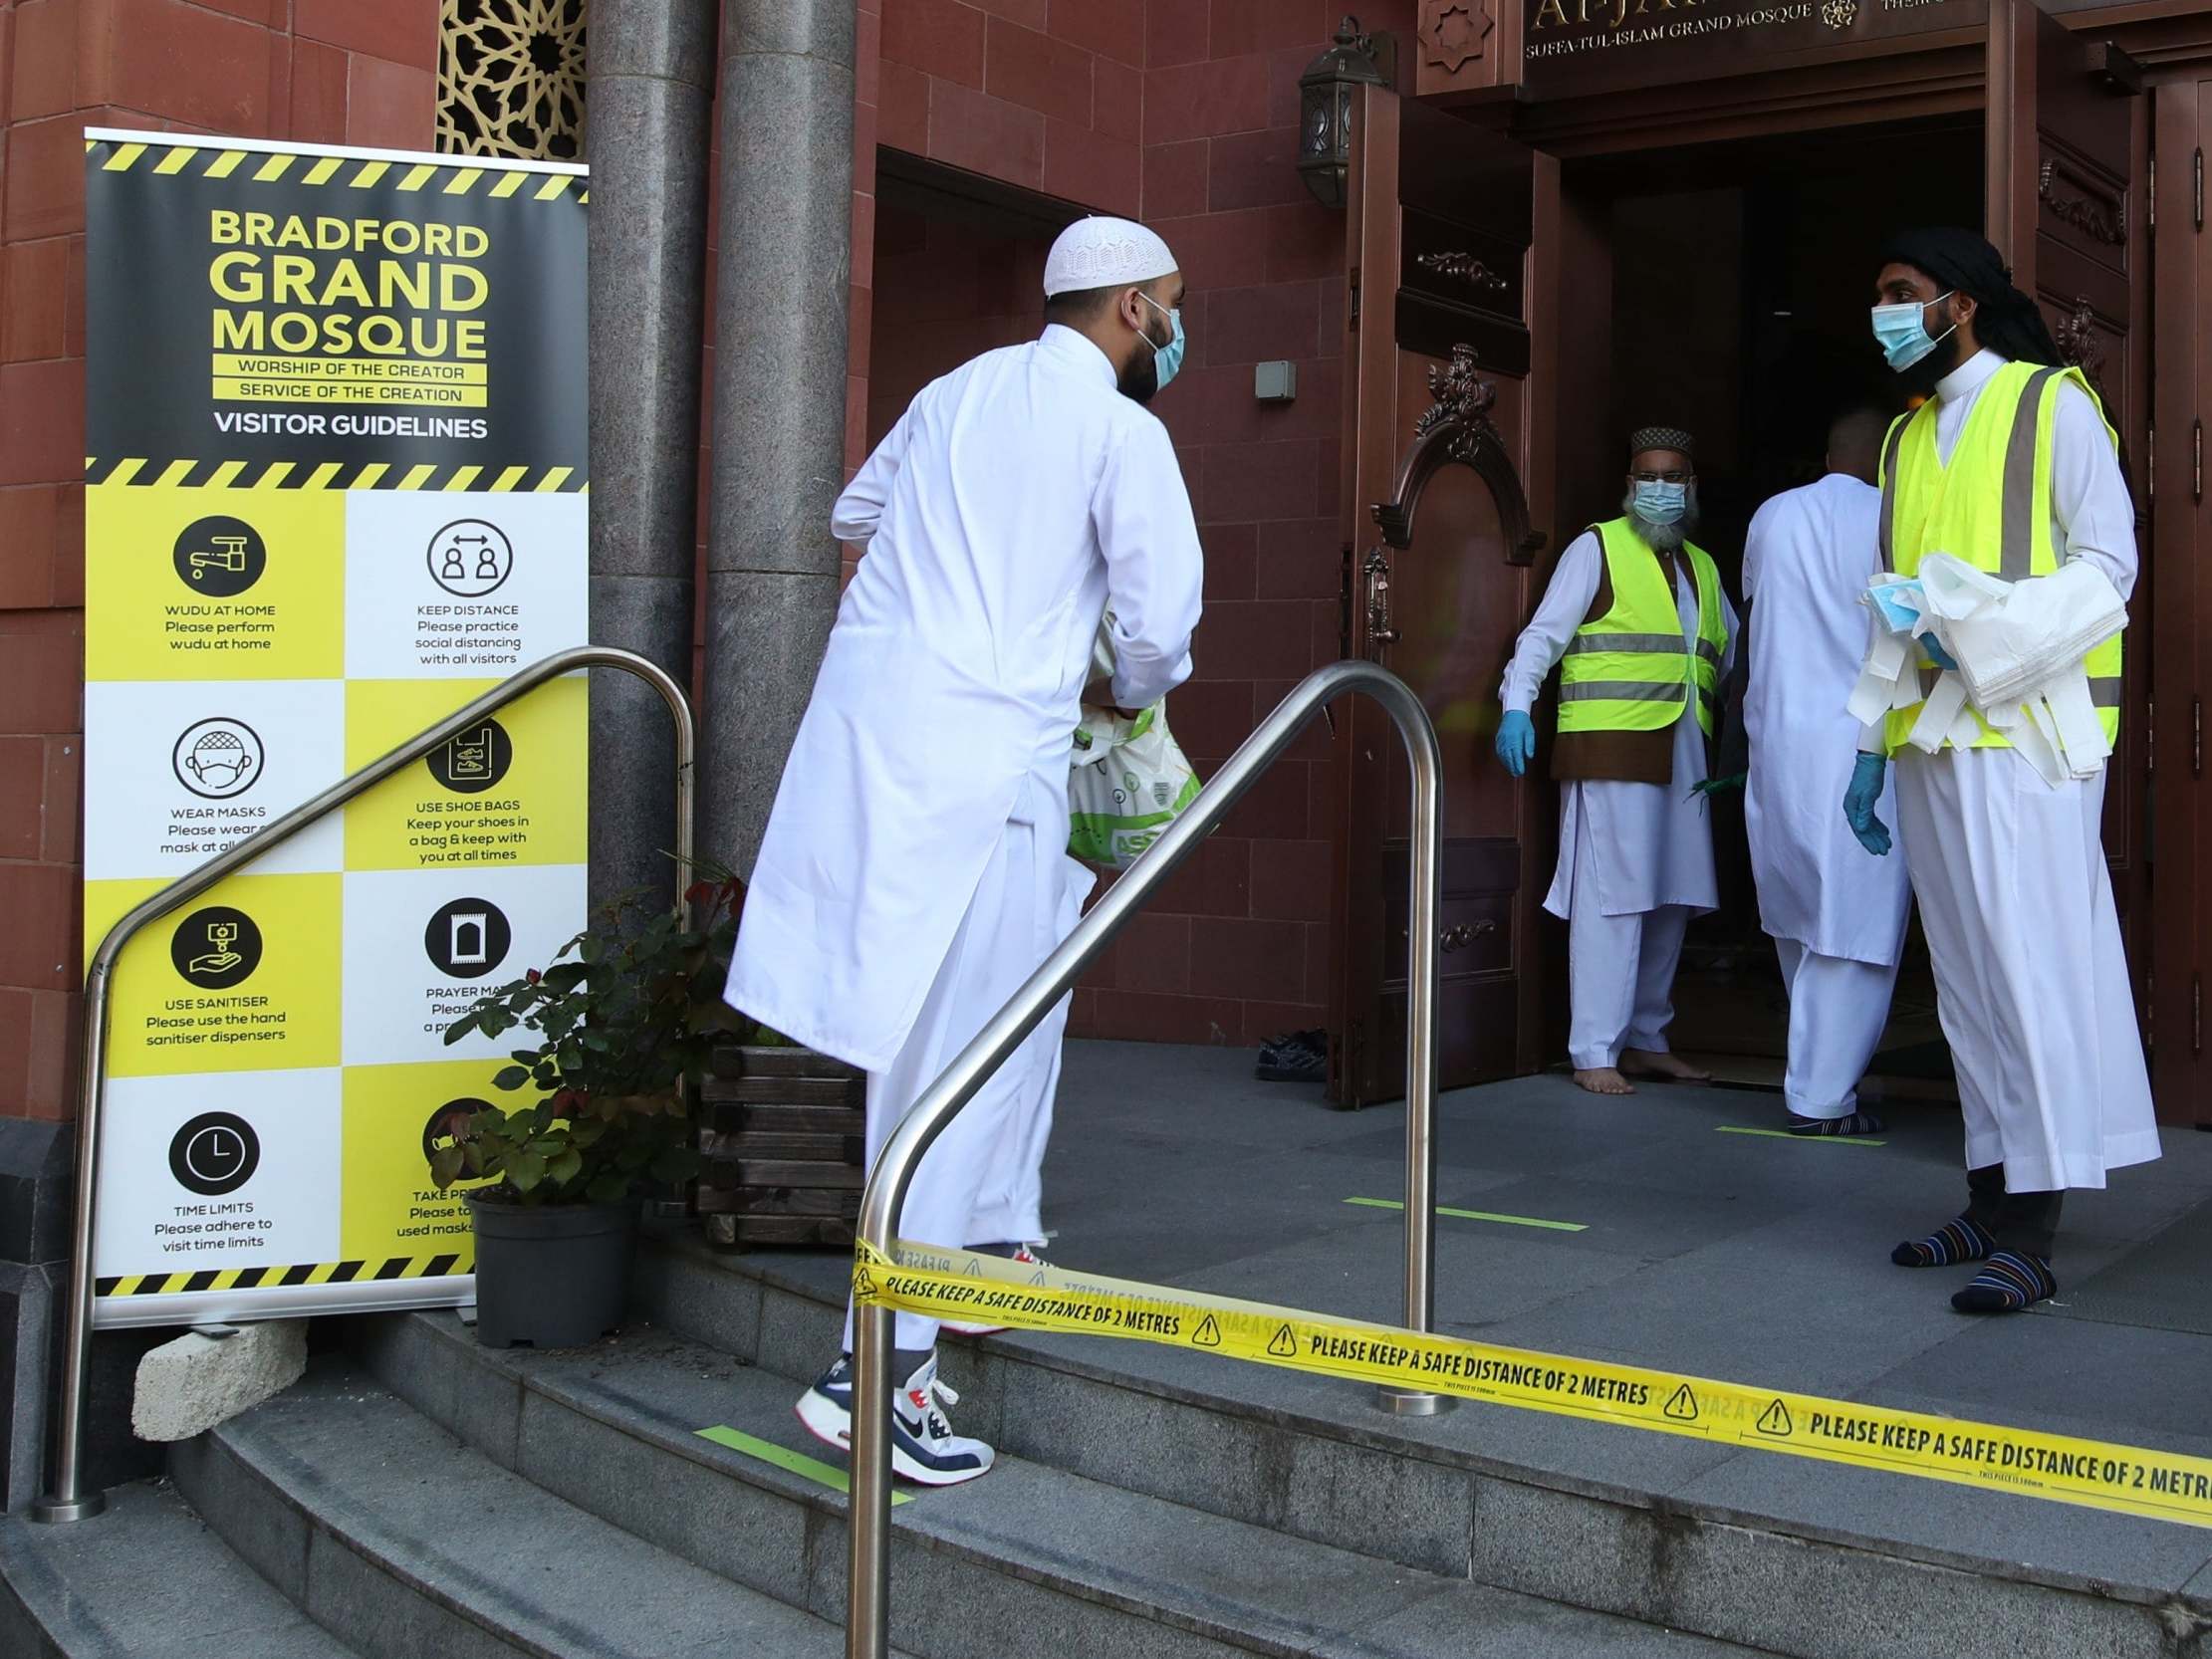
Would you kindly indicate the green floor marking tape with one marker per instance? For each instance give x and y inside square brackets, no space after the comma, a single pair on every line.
[783,1457]
[1784,1134]
[1476,1215]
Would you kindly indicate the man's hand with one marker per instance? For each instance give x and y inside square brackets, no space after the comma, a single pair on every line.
[1859,802]
[1731,785]
[1516,742]
[1936,654]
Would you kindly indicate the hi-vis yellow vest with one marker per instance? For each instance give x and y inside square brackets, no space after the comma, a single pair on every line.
[1631,670]
[1991,507]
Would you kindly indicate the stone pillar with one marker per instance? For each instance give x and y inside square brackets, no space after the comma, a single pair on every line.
[651,97]
[781,299]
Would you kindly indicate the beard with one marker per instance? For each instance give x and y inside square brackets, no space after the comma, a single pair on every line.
[1920,381]
[1139,383]
[1664,537]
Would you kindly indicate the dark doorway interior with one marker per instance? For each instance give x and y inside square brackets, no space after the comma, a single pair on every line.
[1737,308]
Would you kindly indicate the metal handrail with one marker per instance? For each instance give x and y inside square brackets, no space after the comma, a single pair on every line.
[65,1498]
[868,1628]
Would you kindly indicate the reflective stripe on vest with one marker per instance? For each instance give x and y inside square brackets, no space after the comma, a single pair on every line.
[2022,539]
[1628,670]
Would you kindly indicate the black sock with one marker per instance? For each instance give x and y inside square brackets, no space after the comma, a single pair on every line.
[1955,1240]
[2009,1281]
[1857,1123]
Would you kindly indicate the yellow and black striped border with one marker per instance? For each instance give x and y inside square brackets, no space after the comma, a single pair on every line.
[269,1279]
[333,475]
[457,178]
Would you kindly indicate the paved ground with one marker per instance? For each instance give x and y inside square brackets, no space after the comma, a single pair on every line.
[1755,1259]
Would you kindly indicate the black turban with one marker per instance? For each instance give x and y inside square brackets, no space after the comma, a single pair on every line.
[2007,320]
[1646,438]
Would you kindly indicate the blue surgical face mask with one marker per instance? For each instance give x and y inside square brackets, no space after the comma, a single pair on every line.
[1660,502]
[1902,334]
[1166,359]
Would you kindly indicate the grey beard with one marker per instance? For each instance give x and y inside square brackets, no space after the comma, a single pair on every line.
[1664,538]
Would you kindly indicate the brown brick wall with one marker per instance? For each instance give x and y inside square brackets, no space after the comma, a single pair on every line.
[322,71]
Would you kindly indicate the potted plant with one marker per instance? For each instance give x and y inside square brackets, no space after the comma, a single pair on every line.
[626,1019]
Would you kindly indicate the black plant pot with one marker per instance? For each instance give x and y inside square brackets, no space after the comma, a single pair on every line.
[550,1276]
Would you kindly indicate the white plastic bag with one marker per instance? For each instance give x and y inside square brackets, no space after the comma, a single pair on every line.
[1127,780]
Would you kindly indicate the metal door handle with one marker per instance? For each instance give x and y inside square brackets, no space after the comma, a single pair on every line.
[1464,934]
[1378,569]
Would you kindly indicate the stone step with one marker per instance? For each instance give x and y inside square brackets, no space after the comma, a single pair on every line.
[147,1580]
[1026,1560]
[405,1542]
[1307,1457]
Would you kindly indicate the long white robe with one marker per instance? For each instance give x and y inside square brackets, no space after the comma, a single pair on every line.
[1625,850]
[1015,496]
[2015,896]
[915,870]
[1807,559]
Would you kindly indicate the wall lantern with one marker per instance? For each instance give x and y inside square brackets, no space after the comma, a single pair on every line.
[1325,110]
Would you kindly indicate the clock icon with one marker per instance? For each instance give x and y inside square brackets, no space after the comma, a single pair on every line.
[216,1153]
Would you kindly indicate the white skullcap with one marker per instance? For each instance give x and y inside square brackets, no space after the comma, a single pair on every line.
[1105,253]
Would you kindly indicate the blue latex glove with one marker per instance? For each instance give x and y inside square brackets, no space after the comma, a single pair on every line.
[1859,802]
[1936,654]
[1516,742]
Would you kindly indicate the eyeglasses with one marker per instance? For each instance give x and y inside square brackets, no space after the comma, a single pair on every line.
[1661,477]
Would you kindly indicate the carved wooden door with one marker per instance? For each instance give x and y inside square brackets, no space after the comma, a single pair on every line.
[2068,147]
[1437,548]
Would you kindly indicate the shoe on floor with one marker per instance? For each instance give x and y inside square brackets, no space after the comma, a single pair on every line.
[1297,1056]
[923,1446]
[962,1328]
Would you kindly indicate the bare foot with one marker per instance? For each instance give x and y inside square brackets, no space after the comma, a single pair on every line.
[1604,1081]
[1641,1062]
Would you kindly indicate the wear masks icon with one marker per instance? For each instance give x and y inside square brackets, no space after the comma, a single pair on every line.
[1166,359]
[1658,502]
[1903,335]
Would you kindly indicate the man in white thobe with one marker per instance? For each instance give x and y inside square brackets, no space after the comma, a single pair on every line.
[915,870]
[1836,912]
[2009,871]
[1635,859]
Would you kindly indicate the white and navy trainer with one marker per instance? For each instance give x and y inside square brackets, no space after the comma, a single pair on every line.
[923,1446]
[961,1328]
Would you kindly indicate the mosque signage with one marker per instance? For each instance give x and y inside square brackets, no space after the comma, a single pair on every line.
[334,488]
[1585,45]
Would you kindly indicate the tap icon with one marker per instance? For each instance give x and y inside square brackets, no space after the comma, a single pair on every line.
[231,556]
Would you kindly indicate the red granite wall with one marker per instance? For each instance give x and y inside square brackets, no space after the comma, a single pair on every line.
[360,72]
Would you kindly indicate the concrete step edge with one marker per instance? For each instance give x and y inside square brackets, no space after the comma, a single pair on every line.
[783,1319]
[411,1352]
[327,1529]
[80,1591]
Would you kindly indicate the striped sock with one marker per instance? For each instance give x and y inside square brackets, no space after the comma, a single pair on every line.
[2009,1281]
[1955,1240]
[1857,1123]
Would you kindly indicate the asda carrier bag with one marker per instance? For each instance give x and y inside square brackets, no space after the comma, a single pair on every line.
[1127,780]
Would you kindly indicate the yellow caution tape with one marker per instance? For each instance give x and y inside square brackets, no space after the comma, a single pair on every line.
[2134,1480]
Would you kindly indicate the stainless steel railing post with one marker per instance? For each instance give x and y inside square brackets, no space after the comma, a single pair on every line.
[65,1499]
[868,1622]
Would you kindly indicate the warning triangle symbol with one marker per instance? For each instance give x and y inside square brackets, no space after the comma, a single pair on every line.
[1683,1406]
[1210,1334]
[1283,1345]
[1775,1420]
[863,1286]
[1036,1277]
[975,1270]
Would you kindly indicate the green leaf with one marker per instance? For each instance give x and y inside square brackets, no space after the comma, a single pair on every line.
[511,1077]
[525,1169]
[608,1189]
[566,1168]
[445,1165]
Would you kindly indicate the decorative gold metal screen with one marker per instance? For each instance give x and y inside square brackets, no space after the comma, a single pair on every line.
[511,78]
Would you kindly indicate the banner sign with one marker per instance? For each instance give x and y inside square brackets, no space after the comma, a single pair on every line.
[1578,47]
[334,488]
